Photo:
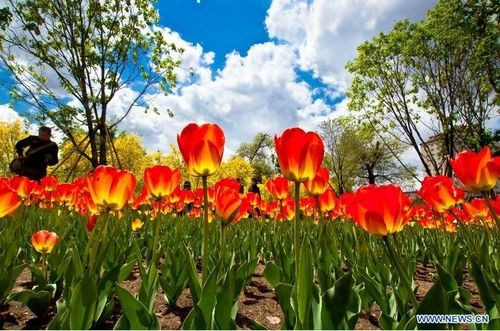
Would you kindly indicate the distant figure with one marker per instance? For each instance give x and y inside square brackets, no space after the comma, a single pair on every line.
[42,152]
[189,206]
[241,189]
[254,187]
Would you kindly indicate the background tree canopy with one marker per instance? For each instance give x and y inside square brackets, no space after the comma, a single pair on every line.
[69,59]
[439,75]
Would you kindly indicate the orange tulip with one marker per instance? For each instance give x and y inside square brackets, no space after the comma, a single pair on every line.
[49,183]
[111,188]
[202,148]
[23,185]
[327,200]
[287,210]
[9,200]
[229,206]
[44,241]
[477,209]
[319,183]
[379,210]
[64,193]
[477,171]
[161,181]
[440,193]
[300,154]
[278,187]
[253,198]
[137,224]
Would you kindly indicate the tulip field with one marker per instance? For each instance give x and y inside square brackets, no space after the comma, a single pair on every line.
[326,261]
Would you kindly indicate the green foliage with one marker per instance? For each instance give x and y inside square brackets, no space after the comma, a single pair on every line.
[436,74]
[10,134]
[260,154]
[355,154]
[87,52]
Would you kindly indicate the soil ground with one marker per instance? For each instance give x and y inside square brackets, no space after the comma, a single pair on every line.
[258,302]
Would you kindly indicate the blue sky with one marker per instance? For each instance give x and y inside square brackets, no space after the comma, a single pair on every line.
[221,26]
[258,65]
[225,26]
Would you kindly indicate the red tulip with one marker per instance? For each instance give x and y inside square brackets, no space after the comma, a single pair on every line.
[477,171]
[253,198]
[202,148]
[91,222]
[23,185]
[229,206]
[440,193]
[380,210]
[230,182]
[327,200]
[161,181]
[319,183]
[300,154]
[49,183]
[44,241]
[477,209]
[111,188]
[278,187]
[64,193]
[9,200]
[287,210]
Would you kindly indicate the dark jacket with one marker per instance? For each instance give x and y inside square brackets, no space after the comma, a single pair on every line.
[41,159]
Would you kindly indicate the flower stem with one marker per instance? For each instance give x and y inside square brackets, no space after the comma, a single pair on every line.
[296,229]
[492,209]
[44,267]
[204,250]
[156,236]
[393,255]
[222,247]
[96,239]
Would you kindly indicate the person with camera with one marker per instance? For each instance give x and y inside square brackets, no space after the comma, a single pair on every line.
[41,153]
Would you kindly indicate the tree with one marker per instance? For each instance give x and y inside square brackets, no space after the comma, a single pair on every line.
[355,155]
[340,157]
[380,161]
[10,134]
[129,155]
[260,154]
[435,75]
[69,59]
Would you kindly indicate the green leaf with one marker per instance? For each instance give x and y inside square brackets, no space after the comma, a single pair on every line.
[37,302]
[137,315]
[61,320]
[336,302]
[272,274]
[83,303]
[434,302]
[301,296]
[486,294]
[194,279]
[449,283]
[7,281]
[284,293]
[225,296]
[208,300]
[387,322]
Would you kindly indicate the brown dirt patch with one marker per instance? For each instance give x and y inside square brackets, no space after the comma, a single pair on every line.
[258,302]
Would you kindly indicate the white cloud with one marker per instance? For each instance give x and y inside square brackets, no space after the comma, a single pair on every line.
[8,114]
[327,32]
[258,92]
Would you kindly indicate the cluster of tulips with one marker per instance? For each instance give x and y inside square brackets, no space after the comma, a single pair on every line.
[381,211]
